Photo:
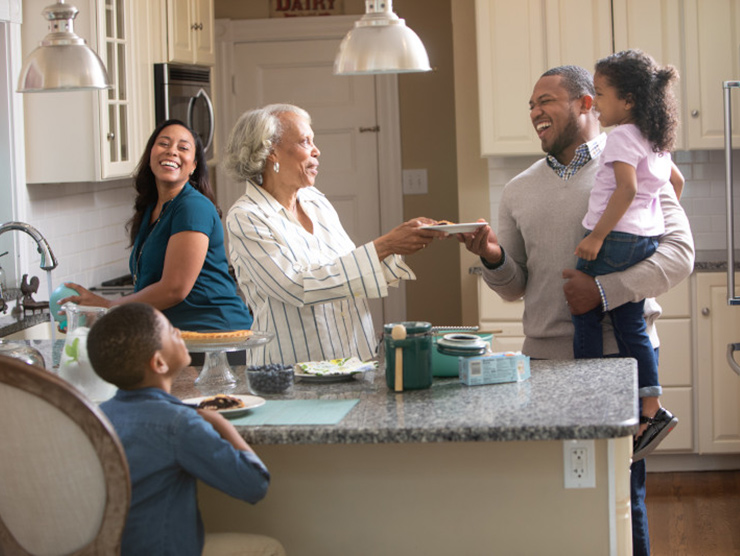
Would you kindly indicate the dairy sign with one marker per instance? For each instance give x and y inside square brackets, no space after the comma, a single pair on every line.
[299,8]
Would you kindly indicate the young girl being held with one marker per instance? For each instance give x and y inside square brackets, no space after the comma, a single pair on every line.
[624,217]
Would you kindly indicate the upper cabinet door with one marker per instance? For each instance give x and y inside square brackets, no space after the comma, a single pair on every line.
[653,26]
[712,38]
[181,30]
[511,55]
[84,136]
[205,44]
[517,43]
[190,38]
[578,32]
[117,114]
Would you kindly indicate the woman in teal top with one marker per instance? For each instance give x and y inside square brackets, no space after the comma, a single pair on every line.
[178,260]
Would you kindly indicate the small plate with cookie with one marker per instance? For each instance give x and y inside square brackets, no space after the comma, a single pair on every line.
[228,405]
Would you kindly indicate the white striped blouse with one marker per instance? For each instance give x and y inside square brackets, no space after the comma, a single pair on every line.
[310,290]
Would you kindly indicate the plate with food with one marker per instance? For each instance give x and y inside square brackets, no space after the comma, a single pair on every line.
[228,405]
[453,228]
[333,370]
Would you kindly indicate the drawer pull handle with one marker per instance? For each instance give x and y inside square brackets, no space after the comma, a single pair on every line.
[705,311]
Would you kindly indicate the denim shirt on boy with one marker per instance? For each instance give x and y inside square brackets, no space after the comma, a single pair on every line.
[168,446]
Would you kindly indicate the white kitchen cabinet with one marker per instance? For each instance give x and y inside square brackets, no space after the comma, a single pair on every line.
[517,42]
[190,27]
[653,26]
[84,136]
[496,315]
[675,366]
[717,324]
[712,44]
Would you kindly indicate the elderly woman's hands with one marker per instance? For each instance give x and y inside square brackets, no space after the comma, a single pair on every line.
[408,238]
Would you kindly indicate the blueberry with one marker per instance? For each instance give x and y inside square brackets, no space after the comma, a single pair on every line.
[271,378]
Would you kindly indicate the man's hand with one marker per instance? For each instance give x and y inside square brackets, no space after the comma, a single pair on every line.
[581,291]
[483,242]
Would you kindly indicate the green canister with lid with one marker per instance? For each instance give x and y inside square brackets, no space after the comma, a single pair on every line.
[416,355]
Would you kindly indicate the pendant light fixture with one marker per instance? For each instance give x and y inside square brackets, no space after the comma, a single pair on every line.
[380,42]
[62,61]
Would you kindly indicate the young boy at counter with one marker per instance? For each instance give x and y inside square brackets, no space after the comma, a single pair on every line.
[168,444]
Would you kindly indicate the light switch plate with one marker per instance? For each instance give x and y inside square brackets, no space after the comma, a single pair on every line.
[415,182]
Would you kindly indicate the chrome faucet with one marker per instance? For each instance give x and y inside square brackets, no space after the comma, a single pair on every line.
[48,260]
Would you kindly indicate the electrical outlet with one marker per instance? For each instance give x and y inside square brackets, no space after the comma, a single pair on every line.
[579,463]
[415,182]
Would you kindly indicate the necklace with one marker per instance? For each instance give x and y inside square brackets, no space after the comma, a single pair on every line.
[149,234]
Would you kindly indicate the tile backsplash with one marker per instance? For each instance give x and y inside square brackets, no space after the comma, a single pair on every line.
[84,224]
[703,196]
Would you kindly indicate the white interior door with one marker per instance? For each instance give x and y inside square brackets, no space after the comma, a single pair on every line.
[300,73]
[268,67]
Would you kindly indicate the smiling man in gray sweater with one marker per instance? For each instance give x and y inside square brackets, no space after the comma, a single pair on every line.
[539,226]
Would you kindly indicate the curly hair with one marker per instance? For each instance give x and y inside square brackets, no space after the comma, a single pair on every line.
[122,342]
[146,186]
[253,138]
[638,78]
[576,80]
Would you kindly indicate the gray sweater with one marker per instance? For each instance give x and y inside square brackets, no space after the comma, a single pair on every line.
[539,228]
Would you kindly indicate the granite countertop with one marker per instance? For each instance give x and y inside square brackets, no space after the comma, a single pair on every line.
[561,400]
[10,324]
[713,261]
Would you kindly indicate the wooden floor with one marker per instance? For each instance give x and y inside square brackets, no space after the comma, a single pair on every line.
[694,514]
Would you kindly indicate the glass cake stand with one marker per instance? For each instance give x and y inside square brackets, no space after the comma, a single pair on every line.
[216,372]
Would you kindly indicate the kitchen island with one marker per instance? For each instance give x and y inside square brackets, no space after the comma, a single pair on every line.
[448,470]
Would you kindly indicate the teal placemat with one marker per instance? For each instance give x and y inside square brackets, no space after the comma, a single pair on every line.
[298,412]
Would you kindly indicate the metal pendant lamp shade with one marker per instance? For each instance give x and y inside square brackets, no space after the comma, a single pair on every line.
[63,61]
[380,42]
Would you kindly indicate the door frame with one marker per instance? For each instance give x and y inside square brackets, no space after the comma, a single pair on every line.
[390,191]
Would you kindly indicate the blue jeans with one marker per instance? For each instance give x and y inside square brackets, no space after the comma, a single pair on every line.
[619,252]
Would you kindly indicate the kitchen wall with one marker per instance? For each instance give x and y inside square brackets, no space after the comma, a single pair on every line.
[84,225]
[427,108]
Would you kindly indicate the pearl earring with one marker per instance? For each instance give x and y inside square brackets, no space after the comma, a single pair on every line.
[276,167]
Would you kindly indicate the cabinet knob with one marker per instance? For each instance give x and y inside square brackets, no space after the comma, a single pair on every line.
[705,311]
[694,113]
[111,136]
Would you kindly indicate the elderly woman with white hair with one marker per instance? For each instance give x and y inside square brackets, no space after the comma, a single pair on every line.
[301,274]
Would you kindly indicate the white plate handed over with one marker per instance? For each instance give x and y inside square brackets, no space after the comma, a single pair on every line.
[456,228]
[250,402]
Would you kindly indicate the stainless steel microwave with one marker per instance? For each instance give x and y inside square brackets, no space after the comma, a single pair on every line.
[184,93]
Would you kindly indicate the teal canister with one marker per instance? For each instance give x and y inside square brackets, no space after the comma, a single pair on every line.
[417,355]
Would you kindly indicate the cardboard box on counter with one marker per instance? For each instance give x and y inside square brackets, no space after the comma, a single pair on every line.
[496,368]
